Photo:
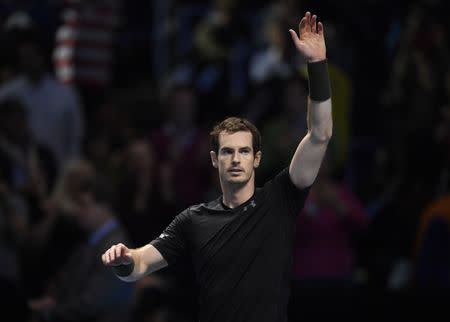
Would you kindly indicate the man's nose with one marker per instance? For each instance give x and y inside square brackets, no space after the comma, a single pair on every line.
[236,158]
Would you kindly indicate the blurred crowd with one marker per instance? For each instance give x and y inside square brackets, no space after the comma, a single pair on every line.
[105,112]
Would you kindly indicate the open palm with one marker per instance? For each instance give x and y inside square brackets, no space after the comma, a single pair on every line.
[310,41]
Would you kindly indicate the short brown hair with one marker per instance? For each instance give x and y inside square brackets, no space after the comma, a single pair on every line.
[232,125]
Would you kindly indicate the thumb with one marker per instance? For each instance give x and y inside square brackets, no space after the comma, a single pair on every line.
[294,35]
[127,257]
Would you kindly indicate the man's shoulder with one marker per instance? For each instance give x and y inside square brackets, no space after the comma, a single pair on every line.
[282,184]
[192,214]
[204,207]
[282,177]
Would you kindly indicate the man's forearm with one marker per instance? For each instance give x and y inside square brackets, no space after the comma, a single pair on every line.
[309,154]
[320,121]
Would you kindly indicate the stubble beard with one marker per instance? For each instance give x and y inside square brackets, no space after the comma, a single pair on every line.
[237,182]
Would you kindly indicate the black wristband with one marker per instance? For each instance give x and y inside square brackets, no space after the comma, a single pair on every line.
[319,81]
[123,270]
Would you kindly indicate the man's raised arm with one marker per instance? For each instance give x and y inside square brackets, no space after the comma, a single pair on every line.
[305,163]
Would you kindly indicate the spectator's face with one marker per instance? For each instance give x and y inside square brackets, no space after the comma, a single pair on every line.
[236,159]
[82,208]
[139,158]
[76,201]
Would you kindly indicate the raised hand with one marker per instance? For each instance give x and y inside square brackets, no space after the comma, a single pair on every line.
[310,42]
[118,254]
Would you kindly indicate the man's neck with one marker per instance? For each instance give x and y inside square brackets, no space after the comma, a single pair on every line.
[236,195]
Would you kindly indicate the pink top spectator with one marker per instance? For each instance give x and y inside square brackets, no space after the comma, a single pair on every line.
[323,246]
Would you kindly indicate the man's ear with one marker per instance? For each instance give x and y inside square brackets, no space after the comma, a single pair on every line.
[214,159]
[257,160]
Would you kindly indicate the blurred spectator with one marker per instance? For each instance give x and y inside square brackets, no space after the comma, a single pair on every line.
[13,229]
[272,60]
[412,95]
[328,230]
[18,14]
[28,168]
[180,146]
[431,259]
[109,136]
[281,132]
[84,289]
[275,59]
[327,233]
[332,220]
[53,109]
[220,49]
[441,136]
[342,96]
[433,265]
[55,229]
[213,36]
[413,131]
[27,174]
[140,205]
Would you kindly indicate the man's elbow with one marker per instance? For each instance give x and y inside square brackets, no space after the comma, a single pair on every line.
[303,182]
[322,136]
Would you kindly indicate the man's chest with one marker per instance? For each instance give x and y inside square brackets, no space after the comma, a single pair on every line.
[230,240]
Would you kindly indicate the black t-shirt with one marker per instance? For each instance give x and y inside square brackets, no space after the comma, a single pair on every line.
[242,256]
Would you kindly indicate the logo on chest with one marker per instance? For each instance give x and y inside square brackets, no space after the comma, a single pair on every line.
[252,205]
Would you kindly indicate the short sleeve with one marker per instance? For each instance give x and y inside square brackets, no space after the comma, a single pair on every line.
[282,189]
[172,242]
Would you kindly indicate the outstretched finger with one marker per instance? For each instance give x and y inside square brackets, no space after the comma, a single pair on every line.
[313,23]
[302,26]
[308,21]
[320,28]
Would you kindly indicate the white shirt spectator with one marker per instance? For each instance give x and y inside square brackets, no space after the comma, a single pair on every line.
[267,64]
[54,114]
